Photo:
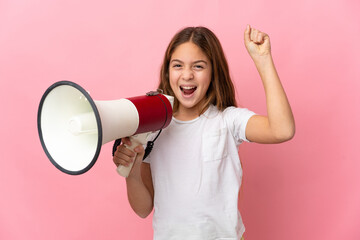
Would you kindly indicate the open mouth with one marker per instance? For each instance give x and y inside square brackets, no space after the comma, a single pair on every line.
[188,90]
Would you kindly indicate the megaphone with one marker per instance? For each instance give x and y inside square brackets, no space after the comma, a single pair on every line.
[73,127]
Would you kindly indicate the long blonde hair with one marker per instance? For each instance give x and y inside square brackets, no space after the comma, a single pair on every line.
[221,91]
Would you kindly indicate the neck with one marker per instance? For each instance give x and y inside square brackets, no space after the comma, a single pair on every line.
[187,114]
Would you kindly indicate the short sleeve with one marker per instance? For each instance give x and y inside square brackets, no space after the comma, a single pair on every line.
[236,120]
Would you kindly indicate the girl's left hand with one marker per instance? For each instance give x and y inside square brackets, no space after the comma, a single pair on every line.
[257,43]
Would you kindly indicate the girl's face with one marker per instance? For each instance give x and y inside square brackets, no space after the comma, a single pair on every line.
[189,76]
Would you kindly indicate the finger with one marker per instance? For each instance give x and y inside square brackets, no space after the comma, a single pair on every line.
[247,33]
[126,141]
[122,159]
[118,161]
[123,149]
[124,156]
[139,149]
[253,34]
[266,37]
[260,38]
[122,162]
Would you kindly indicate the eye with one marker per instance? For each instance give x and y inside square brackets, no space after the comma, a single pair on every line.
[177,65]
[198,67]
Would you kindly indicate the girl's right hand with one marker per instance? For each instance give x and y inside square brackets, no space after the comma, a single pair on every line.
[124,156]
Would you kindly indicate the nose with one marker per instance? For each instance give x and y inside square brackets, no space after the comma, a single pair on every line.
[187,74]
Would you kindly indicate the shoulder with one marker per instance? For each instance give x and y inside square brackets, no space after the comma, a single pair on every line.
[229,115]
[236,119]
[237,111]
[236,115]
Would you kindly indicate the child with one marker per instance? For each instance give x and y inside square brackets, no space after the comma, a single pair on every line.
[193,175]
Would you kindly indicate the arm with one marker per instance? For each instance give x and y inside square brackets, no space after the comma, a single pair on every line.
[139,185]
[279,125]
[139,189]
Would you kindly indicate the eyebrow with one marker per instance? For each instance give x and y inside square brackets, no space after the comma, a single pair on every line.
[198,61]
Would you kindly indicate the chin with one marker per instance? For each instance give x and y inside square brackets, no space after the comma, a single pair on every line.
[189,105]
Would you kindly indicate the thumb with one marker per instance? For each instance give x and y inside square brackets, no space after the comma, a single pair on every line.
[139,149]
[247,34]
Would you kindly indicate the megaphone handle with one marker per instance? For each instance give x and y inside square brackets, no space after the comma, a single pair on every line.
[136,140]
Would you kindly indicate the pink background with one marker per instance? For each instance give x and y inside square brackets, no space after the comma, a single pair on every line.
[308,188]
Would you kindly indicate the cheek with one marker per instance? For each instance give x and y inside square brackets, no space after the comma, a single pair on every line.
[205,80]
[173,80]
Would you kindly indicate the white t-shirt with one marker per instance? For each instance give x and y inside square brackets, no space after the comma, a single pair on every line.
[196,174]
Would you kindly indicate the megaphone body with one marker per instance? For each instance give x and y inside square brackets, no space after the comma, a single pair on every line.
[72,126]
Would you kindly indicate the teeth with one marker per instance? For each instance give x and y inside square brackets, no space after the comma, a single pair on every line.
[188,88]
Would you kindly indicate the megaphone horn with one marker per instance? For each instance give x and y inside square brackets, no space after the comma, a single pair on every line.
[72,126]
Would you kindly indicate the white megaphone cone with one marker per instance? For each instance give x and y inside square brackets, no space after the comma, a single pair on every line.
[73,127]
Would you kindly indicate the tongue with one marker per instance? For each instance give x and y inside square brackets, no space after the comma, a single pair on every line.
[189,91]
